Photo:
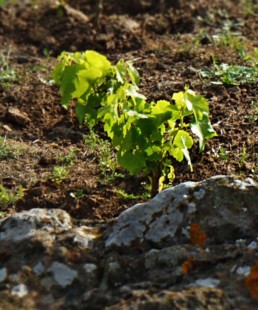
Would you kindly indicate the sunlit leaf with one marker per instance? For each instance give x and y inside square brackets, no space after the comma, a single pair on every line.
[177,153]
[199,105]
[161,106]
[133,73]
[179,99]
[121,72]
[98,61]
[183,139]
[203,130]
[89,76]
[132,90]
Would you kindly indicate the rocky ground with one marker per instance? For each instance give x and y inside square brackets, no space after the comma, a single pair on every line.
[193,246]
[48,160]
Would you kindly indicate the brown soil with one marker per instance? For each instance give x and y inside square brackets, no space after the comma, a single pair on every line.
[170,45]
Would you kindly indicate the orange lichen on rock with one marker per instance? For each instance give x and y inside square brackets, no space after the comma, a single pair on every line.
[197,236]
[251,282]
[187,265]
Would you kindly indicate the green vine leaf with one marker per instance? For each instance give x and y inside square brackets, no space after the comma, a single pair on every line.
[182,142]
[203,130]
[133,162]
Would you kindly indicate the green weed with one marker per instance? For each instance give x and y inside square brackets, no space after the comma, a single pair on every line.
[102,149]
[249,7]
[7,74]
[255,172]
[69,158]
[249,58]
[2,2]
[243,156]
[9,198]
[59,174]
[5,150]
[222,154]
[122,193]
[231,74]
[228,38]
[79,194]
[254,107]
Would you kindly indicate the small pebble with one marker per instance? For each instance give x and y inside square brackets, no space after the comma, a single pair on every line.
[20,290]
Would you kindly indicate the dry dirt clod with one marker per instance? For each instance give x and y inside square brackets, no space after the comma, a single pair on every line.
[17,117]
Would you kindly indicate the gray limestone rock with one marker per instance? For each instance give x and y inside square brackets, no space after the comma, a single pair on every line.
[144,259]
[224,207]
[3,274]
[90,274]
[170,256]
[20,290]
[63,274]
[21,226]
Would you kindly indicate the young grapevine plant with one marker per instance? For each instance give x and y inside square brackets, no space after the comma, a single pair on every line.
[148,137]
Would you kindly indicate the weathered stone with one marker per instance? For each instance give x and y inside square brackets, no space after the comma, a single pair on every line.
[89,268]
[170,256]
[39,268]
[47,300]
[24,225]
[84,236]
[48,282]
[144,259]
[91,275]
[114,272]
[20,290]
[113,275]
[3,274]
[208,282]
[63,274]
[243,270]
[225,208]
